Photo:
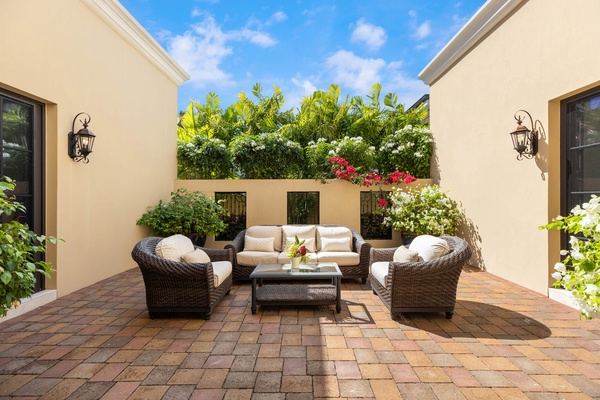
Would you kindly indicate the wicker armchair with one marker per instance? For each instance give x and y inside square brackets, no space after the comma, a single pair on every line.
[178,286]
[421,286]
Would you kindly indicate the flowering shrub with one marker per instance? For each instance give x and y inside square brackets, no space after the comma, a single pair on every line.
[267,156]
[579,270]
[420,211]
[297,249]
[203,158]
[353,149]
[408,149]
[341,169]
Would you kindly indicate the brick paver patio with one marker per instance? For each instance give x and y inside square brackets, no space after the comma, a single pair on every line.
[504,342]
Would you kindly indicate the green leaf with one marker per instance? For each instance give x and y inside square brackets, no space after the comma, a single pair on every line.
[6,277]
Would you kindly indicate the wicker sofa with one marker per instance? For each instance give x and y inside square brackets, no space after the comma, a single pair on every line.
[422,286]
[325,240]
[173,286]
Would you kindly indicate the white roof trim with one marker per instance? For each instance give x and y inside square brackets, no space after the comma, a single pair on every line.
[119,19]
[484,21]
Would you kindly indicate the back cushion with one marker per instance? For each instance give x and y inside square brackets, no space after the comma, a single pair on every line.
[174,247]
[196,256]
[266,231]
[333,232]
[402,254]
[303,232]
[429,247]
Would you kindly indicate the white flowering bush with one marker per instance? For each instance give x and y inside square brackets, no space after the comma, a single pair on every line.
[267,156]
[420,211]
[203,158]
[579,270]
[408,149]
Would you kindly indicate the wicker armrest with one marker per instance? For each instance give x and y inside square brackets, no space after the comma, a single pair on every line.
[218,254]
[382,254]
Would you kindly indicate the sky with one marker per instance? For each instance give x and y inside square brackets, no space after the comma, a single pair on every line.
[227,46]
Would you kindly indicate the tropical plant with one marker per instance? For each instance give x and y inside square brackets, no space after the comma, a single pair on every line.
[203,158]
[408,149]
[267,156]
[420,211]
[187,213]
[579,271]
[19,247]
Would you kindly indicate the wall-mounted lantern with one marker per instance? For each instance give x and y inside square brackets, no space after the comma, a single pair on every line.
[525,141]
[82,142]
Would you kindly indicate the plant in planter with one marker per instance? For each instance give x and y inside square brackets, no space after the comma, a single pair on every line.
[421,211]
[18,249]
[579,272]
[187,213]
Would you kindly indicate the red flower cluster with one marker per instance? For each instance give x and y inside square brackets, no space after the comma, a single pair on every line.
[302,250]
[342,170]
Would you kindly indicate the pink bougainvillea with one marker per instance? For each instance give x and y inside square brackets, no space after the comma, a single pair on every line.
[343,170]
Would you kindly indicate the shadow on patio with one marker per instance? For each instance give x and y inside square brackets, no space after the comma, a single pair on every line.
[503,342]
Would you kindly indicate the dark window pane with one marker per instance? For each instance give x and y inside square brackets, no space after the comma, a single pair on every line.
[371,216]
[303,208]
[17,166]
[235,204]
[16,125]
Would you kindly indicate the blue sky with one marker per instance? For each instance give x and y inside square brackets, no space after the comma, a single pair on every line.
[227,46]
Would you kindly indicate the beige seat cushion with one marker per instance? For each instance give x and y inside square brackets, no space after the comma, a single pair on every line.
[174,247]
[282,258]
[342,259]
[258,244]
[333,232]
[221,270]
[429,247]
[307,232]
[379,271]
[402,254]
[196,256]
[253,258]
[267,231]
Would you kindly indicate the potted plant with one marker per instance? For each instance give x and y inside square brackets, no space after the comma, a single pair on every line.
[578,272]
[422,211]
[188,213]
[19,247]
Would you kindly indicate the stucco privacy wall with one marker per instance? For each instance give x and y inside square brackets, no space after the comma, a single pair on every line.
[266,201]
[92,56]
[540,52]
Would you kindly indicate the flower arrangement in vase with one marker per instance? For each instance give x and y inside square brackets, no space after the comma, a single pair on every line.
[297,252]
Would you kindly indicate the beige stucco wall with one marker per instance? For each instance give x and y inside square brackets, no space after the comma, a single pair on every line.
[62,54]
[266,201]
[542,53]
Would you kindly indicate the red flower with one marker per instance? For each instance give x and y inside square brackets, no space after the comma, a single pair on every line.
[351,169]
[382,202]
[302,250]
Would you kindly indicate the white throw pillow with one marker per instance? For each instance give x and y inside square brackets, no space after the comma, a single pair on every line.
[173,247]
[308,243]
[332,232]
[335,244]
[196,256]
[402,254]
[267,231]
[429,247]
[258,244]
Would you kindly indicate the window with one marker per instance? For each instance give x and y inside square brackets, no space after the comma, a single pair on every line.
[581,149]
[303,207]
[371,217]
[22,150]
[235,204]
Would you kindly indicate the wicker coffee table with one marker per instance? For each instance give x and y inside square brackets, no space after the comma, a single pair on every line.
[300,293]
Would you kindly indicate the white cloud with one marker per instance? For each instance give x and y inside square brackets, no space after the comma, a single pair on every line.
[279,16]
[202,49]
[355,72]
[408,89]
[371,35]
[423,30]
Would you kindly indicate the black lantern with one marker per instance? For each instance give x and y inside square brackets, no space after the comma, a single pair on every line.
[82,142]
[524,140]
